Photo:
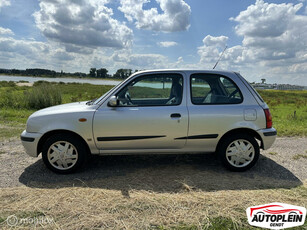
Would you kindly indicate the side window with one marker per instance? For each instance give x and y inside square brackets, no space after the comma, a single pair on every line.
[152,90]
[214,89]
[232,91]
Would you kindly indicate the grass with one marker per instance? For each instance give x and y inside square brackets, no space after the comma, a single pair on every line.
[95,208]
[13,122]
[189,207]
[16,97]
[9,132]
[289,111]
[288,108]
[216,223]
[14,106]
[42,96]
[14,117]
[299,156]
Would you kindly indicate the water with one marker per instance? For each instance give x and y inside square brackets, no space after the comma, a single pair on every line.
[158,85]
[79,80]
[66,80]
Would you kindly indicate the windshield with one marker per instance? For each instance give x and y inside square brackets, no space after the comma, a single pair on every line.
[96,101]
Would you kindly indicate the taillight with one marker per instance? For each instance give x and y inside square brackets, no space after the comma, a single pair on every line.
[268,118]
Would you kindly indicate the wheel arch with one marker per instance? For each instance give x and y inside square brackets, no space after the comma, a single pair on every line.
[47,135]
[248,131]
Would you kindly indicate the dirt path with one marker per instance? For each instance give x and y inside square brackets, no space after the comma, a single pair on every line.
[284,165]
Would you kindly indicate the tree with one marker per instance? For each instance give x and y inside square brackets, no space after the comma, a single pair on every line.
[122,73]
[93,72]
[102,73]
[40,72]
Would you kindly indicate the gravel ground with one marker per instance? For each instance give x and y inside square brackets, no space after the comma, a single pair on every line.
[284,165]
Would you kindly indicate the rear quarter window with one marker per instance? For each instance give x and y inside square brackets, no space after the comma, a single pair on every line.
[252,88]
[209,89]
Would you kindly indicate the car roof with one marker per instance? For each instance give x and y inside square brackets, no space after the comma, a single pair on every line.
[223,72]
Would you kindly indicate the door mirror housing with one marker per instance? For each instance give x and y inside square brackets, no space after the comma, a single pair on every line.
[113,101]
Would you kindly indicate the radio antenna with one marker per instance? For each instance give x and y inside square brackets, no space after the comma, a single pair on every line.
[219,58]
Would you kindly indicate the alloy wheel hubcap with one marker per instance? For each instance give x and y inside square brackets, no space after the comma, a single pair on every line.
[240,153]
[62,155]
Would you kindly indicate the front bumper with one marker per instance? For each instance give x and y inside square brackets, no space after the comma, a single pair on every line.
[30,142]
[268,137]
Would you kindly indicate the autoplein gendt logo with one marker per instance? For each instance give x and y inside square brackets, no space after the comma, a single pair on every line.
[276,216]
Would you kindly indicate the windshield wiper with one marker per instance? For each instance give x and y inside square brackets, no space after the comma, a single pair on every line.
[91,101]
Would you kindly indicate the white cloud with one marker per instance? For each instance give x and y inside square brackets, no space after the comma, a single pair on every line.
[22,47]
[23,53]
[128,59]
[274,43]
[264,20]
[63,56]
[4,3]
[210,51]
[6,31]
[175,16]
[77,49]
[273,31]
[167,44]
[81,23]
[215,41]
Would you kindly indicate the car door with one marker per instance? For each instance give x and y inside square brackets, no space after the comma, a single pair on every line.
[151,113]
[215,107]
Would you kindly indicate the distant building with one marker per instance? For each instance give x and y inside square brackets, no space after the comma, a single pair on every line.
[289,87]
[263,85]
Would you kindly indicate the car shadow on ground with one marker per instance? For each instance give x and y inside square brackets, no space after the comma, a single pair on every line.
[162,173]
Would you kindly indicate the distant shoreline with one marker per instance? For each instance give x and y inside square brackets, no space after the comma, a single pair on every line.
[29,84]
[68,76]
[32,79]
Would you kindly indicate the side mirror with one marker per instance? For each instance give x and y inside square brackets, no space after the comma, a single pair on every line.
[113,102]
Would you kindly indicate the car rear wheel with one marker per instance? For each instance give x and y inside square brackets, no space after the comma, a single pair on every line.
[239,152]
[64,153]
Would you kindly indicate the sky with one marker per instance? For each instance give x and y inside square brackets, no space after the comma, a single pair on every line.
[264,38]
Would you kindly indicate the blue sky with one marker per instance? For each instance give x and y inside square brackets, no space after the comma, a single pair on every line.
[265,39]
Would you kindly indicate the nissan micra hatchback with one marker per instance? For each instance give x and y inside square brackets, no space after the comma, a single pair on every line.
[154,112]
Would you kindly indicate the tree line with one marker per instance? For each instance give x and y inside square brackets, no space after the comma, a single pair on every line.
[93,73]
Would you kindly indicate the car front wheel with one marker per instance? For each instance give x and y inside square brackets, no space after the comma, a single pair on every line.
[64,153]
[239,152]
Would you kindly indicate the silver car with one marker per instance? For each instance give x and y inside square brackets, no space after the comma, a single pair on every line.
[160,111]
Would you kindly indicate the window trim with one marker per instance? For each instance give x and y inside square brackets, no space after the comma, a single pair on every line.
[252,89]
[149,74]
[218,75]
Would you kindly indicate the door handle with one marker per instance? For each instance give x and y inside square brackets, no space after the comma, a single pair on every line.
[175,115]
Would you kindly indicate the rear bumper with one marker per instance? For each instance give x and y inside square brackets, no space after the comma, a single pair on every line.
[30,142]
[268,137]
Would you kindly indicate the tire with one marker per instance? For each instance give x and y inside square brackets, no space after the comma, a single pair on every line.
[239,152]
[64,153]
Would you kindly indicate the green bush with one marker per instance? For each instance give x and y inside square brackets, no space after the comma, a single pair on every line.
[7,84]
[41,82]
[42,96]
[11,99]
